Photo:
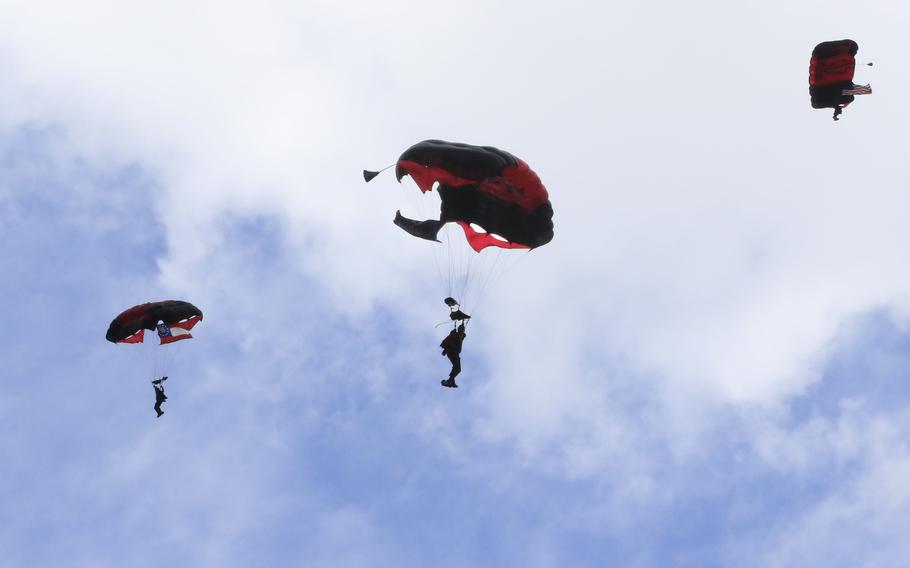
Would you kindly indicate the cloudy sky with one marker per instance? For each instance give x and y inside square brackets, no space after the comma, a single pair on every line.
[707,366]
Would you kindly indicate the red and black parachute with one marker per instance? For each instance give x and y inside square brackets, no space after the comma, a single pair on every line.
[831,72]
[129,326]
[480,186]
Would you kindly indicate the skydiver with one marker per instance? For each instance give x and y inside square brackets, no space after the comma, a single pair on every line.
[160,397]
[838,110]
[451,348]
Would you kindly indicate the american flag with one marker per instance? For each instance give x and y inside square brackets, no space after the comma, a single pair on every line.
[858,90]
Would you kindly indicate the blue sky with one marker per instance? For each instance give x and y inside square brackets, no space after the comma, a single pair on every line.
[707,366]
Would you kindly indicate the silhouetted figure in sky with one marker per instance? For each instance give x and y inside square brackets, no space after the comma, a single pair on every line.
[451,348]
[160,397]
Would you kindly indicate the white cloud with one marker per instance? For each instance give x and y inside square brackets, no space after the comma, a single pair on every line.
[713,235]
[861,521]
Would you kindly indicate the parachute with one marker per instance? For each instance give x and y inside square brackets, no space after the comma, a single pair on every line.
[172,319]
[495,198]
[178,319]
[831,70]
[492,195]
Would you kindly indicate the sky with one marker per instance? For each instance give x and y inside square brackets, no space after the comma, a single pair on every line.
[707,366]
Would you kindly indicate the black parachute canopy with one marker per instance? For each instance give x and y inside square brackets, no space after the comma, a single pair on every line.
[831,70]
[147,316]
[479,186]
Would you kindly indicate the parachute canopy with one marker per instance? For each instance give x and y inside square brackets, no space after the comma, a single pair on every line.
[831,70]
[832,62]
[128,327]
[495,197]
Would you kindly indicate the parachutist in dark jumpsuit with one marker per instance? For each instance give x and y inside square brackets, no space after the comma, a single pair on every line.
[451,348]
[838,110]
[160,397]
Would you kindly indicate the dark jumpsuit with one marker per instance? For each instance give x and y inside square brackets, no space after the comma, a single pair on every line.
[160,397]
[451,348]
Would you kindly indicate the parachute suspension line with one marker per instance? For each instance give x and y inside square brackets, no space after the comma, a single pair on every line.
[155,349]
[172,361]
[489,273]
[436,253]
[473,264]
[458,267]
[449,260]
[165,363]
[467,279]
[492,271]
[469,262]
[503,260]
[446,258]
[169,358]
[463,276]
